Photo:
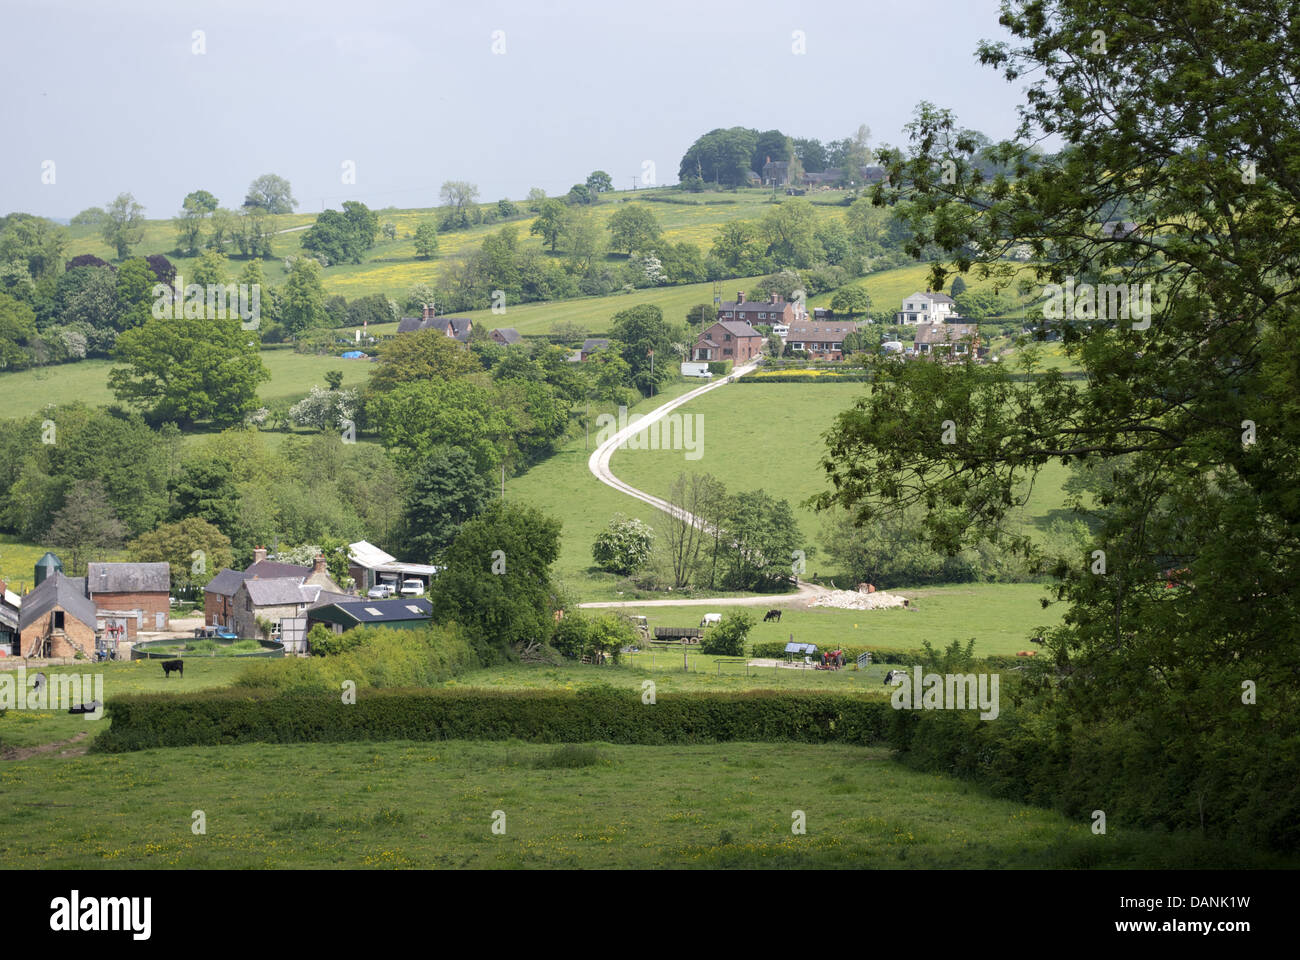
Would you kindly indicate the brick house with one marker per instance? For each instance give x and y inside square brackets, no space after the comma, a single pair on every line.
[458,328]
[821,339]
[57,619]
[506,336]
[772,311]
[276,601]
[137,593]
[732,340]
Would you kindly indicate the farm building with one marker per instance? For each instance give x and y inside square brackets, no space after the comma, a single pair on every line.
[10,604]
[57,619]
[506,336]
[400,612]
[371,567]
[130,597]
[282,603]
[733,340]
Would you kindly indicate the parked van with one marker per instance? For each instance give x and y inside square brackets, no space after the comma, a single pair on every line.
[701,370]
[412,588]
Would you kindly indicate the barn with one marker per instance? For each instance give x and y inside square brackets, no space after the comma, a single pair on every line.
[137,595]
[401,612]
[57,619]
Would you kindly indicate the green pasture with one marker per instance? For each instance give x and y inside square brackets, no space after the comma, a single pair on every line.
[433,805]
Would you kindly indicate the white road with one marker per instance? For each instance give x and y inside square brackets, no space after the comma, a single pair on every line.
[598,464]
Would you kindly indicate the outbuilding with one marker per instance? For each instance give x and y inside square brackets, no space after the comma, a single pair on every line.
[406,613]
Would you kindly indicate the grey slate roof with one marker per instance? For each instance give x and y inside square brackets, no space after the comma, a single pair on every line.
[57,590]
[398,608]
[945,332]
[225,583]
[738,328]
[273,569]
[281,591]
[129,577]
[594,343]
[507,335]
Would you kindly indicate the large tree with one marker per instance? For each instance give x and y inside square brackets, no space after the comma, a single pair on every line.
[85,525]
[446,491]
[270,193]
[633,227]
[189,369]
[1182,121]
[194,549]
[123,224]
[721,156]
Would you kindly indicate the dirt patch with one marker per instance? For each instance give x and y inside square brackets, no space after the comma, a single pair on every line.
[66,748]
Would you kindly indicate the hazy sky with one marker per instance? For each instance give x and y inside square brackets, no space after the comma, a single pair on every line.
[413,94]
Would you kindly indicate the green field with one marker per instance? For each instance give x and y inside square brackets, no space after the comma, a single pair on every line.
[292,376]
[432,805]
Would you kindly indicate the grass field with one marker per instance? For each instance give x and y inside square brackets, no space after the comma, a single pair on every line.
[432,805]
[292,376]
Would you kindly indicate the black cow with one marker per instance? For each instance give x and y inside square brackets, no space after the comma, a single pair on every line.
[773,615]
[170,665]
[1035,639]
[90,707]
[889,677]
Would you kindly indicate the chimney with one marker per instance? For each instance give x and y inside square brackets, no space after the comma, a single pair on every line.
[2,589]
[740,296]
[774,299]
[318,565]
[259,554]
[428,312]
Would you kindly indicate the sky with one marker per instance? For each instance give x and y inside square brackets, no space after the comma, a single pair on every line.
[162,97]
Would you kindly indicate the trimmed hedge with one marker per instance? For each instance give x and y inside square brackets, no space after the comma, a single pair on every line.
[720,367]
[805,378]
[594,714]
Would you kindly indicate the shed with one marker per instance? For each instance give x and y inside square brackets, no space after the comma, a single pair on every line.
[400,612]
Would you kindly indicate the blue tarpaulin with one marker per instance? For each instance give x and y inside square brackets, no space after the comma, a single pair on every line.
[353,355]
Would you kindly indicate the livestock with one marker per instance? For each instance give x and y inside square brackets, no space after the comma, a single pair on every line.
[170,665]
[772,615]
[90,707]
[710,619]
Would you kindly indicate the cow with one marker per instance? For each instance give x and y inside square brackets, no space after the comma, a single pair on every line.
[1035,639]
[889,677]
[170,665]
[90,707]
[772,615]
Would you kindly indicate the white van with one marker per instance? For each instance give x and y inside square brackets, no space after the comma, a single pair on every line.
[412,588]
[701,370]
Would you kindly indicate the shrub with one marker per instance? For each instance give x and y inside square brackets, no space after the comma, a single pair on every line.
[570,757]
[623,546]
[727,639]
[720,367]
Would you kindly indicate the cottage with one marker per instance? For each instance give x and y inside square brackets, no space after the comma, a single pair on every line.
[733,340]
[506,336]
[822,340]
[592,345]
[458,328]
[776,173]
[280,603]
[927,308]
[220,596]
[950,339]
[57,619]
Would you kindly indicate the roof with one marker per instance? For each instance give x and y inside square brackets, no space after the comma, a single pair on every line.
[225,583]
[368,555]
[58,590]
[460,326]
[932,297]
[281,591]
[273,569]
[594,343]
[507,335]
[129,577]
[945,332]
[737,328]
[756,306]
[377,611]
[833,329]
[50,561]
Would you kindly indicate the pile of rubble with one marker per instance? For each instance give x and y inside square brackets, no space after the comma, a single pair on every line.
[853,600]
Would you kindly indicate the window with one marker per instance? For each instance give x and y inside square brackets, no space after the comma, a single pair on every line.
[248,603]
[58,619]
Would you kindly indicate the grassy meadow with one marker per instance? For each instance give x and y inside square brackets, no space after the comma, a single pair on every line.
[433,805]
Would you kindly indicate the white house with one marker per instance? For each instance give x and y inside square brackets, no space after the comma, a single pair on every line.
[927,308]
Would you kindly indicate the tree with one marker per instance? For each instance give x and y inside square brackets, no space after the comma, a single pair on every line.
[790,230]
[737,248]
[1190,404]
[447,491]
[457,195]
[550,222]
[334,379]
[189,369]
[763,535]
[271,194]
[325,409]
[496,579]
[599,182]
[35,242]
[343,236]
[536,197]
[85,525]
[422,355]
[205,490]
[811,154]
[90,217]
[123,226]
[958,287]
[641,330]
[722,156]
[771,145]
[303,297]
[134,292]
[633,227]
[624,546]
[426,240]
[851,300]
[727,638]
[17,330]
[194,549]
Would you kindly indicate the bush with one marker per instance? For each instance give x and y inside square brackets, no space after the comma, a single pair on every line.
[720,368]
[623,546]
[727,639]
[600,714]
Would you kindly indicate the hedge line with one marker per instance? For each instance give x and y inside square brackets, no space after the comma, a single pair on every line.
[604,714]
[794,378]
[776,648]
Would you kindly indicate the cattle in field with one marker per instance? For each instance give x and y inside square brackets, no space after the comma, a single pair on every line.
[889,677]
[170,665]
[90,707]
[772,615]
[1035,639]
[710,619]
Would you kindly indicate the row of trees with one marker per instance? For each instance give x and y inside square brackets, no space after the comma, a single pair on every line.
[729,157]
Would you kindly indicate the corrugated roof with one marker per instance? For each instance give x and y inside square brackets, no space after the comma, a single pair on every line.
[368,555]
[129,577]
[57,590]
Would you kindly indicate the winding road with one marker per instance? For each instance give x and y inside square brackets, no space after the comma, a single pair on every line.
[598,464]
